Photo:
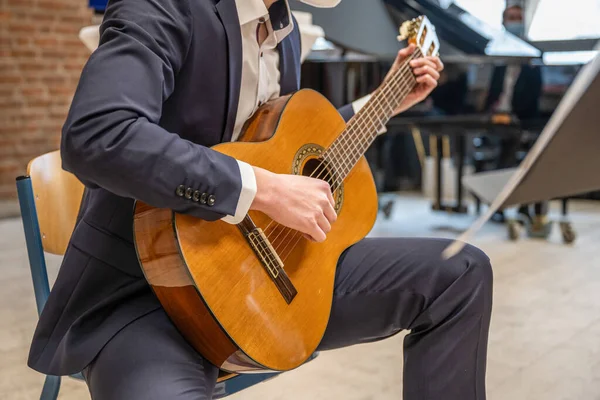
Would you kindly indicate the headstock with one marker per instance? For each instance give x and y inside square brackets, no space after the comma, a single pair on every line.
[421,32]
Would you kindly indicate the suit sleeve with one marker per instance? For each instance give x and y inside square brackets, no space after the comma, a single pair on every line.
[112,137]
[349,110]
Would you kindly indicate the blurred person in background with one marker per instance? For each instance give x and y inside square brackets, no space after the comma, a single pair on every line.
[516,89]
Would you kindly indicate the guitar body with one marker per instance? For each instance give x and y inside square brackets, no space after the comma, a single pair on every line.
[210,281]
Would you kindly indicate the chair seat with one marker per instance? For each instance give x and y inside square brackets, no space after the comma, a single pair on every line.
[226,386]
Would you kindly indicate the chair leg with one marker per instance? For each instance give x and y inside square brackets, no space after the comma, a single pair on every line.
[79,376]
[33,238]
[565,206]
[51,388]
[240,383]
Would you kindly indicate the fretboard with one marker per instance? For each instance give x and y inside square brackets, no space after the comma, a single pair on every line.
[363,128]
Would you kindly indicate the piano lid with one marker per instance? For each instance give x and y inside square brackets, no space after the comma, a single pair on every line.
[371,27]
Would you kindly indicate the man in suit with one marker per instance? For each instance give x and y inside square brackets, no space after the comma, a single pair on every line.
[170,79]
[515,89]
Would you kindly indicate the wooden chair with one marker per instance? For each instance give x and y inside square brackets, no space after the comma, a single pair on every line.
[49,198]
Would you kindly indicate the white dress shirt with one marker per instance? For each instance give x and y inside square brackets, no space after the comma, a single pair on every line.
[259,84]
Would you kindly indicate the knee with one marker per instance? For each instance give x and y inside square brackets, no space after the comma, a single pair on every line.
[478,271]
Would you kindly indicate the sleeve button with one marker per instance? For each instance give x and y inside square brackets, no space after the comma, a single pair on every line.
[203,198]
[211,200]
[188,193]
[180,190]
[196,196]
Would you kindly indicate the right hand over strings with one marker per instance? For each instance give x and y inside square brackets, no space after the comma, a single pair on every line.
[298,202]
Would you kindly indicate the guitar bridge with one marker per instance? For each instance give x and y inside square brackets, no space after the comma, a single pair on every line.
[268,257]
[265,252]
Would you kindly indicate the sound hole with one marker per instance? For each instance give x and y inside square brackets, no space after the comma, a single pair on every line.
[317,168]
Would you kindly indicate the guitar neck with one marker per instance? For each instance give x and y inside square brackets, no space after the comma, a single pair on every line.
[363,128]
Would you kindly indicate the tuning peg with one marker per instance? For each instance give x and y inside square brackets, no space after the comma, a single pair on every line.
[404,31]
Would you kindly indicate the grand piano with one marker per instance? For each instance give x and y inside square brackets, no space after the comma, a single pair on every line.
[357,50]
[359,46]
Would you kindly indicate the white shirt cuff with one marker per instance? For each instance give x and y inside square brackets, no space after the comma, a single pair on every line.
[246,196]
[357,105]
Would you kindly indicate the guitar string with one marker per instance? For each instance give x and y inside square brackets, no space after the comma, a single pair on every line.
[395,81]
[335,179]
[273,264]
[351,131]
[343,150]
[285,256]
[386,114]
[264,251]
[398,79]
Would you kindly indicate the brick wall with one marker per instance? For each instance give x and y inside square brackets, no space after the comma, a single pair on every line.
[41,58]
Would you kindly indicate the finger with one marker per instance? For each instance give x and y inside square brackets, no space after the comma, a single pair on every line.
[324,223]
[329,204]
[317,233]
[427,70]
[330,197]
[421,62]
[308,237]
[428,81]
[439,65]
[330,214]
[324,189]
[404,53]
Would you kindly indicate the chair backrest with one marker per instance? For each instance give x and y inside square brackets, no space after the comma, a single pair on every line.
[58,195]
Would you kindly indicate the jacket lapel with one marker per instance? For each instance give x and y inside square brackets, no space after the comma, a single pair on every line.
[229,17]
[289,62]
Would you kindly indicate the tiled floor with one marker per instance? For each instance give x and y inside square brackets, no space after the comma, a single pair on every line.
[544,342]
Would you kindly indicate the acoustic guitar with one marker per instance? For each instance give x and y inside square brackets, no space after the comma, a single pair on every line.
[257,296]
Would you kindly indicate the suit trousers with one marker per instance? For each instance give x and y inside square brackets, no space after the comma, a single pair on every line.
[383,286]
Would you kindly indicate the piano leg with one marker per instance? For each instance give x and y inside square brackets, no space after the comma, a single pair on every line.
[439,205]
[566,228]
[565,207]
[460,208]
[438,173]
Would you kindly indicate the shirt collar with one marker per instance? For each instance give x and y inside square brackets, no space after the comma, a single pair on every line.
[279,14]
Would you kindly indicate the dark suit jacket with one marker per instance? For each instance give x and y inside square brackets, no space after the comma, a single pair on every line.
[162,87]
[526,94]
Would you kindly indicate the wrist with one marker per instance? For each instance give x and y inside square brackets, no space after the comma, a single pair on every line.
[265,188]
